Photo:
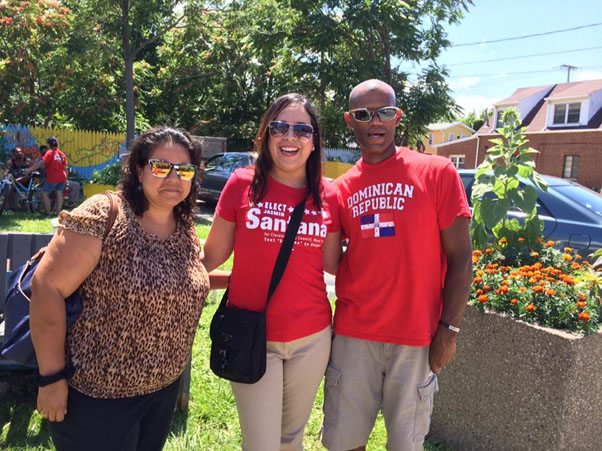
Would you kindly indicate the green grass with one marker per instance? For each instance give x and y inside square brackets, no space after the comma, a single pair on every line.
[25,222]
[211,422]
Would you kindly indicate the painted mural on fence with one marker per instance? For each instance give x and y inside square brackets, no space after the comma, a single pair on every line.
[86,151]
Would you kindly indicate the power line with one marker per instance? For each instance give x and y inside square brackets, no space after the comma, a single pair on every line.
[528,35]
[523,56]
[517,73]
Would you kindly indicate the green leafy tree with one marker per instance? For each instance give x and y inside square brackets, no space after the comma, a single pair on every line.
[497,190]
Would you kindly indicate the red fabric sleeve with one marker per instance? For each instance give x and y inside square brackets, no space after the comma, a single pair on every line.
[229,199]
[451,197]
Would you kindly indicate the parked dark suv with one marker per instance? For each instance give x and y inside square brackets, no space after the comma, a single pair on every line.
[571,213]
[218,170]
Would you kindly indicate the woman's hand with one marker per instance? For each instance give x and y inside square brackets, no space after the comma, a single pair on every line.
[52,401]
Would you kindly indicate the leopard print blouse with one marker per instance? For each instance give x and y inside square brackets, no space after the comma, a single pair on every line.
[141,304]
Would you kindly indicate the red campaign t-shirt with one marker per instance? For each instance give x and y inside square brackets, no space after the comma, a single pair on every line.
[55,162]
[389,284]
[299,306]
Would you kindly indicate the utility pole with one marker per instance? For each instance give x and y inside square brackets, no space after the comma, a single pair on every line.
[568,68]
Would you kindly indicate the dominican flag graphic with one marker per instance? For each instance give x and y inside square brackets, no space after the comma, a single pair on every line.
[378,225]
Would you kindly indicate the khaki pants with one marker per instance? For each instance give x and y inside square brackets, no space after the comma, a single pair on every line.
[363,377]
[273,412]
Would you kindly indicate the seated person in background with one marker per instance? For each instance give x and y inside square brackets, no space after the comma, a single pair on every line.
[17,165]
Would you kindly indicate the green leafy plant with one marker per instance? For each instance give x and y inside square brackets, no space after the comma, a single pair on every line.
[498,190]
[109,175]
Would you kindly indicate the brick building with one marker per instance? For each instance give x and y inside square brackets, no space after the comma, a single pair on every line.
[563,121]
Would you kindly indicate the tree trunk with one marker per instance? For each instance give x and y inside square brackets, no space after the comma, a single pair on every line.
[128,59]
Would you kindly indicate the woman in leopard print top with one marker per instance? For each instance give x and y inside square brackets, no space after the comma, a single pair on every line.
[142,287]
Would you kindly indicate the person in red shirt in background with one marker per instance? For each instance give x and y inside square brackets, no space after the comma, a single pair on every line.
[251,218]
[402,285]
[55,163]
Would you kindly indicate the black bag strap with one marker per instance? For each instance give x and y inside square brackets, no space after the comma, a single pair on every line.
[285,249]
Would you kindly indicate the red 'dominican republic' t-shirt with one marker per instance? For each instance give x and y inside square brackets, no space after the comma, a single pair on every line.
[299,306]
[389,284]
[55,162]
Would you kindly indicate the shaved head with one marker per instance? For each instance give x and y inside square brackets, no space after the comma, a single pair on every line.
[366,88]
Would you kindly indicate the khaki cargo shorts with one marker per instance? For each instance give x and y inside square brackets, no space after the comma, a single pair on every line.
[364,376]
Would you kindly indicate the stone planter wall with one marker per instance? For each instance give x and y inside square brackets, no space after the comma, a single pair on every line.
[515,386]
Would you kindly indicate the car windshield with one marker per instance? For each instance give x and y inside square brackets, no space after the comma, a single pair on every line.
[583,196]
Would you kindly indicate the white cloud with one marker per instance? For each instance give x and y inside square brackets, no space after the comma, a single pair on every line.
[474,103]
[464,83]
[582,75]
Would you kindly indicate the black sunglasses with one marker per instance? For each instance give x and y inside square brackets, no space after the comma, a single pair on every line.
[366,114]
[279,129]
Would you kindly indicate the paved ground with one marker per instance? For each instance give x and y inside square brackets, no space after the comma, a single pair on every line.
[205,216]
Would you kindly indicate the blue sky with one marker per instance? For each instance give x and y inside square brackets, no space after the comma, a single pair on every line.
[489,20]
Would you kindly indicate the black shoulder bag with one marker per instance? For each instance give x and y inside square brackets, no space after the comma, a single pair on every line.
[238,336]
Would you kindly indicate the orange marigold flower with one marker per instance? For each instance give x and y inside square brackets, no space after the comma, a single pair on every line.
[480,273]
[581,304]
[504,289]
[477,252]
[582,297]
[506,282]
[514,301]
[483,299]
[568,249]
[503,241]
[537,265]
[534,254]
[576,266]
[530,307]
[521,240]
[477,280]
[539,240]
[488,250]
[475,259]
[550,292]
[538,288]
[479,292]
[549,244]
[523,288]
[569,280]
[532,280]
[584,316]
[567,257]
[486,288]
[578,257]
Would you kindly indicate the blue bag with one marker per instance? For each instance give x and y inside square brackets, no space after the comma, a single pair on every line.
[17,345]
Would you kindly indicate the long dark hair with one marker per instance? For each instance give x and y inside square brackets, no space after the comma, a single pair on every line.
[264,163]
[142,149]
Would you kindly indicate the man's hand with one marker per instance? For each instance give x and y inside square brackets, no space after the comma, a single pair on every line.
[443,349]
[52,401]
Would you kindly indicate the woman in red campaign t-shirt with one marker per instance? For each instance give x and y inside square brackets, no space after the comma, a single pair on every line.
[251,219]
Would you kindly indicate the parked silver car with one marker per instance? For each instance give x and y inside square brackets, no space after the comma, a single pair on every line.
[218,170]
[571,213]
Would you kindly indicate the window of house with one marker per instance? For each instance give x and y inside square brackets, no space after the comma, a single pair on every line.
[458,161]
[567,113]
[430,139]
[571,167]
[450,137]
[499,123]
[461,136]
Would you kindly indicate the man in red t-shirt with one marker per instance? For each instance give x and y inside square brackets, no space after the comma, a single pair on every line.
[402,284]
[55,163]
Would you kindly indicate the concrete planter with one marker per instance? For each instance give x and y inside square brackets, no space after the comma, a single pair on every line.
[92,189]
[515,386]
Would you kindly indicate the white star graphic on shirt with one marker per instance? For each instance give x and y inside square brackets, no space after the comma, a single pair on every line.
[306,211]
[314,212]
[260,204]
[291,209]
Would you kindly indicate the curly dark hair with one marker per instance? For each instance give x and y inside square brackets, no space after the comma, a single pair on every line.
[142,150]
[264,163]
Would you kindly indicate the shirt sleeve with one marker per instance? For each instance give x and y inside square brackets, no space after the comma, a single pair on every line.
[451,197]
[331,206]
[90,218]
[227,205]
[47,157]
